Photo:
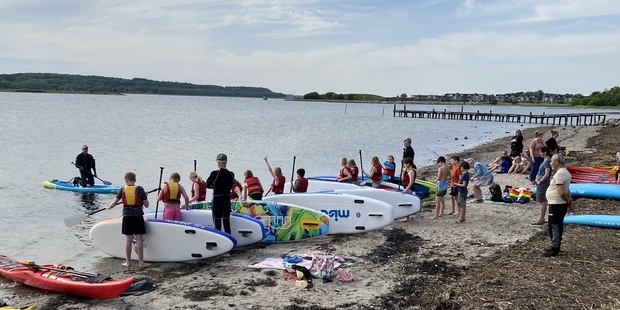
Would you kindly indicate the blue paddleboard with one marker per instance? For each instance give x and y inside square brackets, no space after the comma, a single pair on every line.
[597,220]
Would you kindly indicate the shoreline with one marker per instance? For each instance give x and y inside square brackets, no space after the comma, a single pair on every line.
[396,267]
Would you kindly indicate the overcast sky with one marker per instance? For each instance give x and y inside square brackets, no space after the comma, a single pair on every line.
[384,47]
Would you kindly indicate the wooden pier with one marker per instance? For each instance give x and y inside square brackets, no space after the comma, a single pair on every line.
[576,119]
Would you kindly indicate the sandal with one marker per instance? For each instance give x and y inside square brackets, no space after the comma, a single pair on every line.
[538,223]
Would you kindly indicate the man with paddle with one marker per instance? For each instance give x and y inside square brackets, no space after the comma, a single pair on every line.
[85,162]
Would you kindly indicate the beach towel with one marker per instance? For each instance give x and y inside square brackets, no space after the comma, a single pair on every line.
[277,263]
[322,265]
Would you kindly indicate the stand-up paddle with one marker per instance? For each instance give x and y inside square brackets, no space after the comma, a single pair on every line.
[292,175]
[161,174]
[362,167]
[79,218]
[96,177]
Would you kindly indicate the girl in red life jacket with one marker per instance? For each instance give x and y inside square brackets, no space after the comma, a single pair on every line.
[345,172]
[409,175]
[375,174]
[355,171]
[301,184]
[277,186]
[252,187]
[235,191]
[199,188]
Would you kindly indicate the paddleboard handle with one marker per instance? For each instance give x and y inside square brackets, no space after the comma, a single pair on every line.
[358,201]
[210,245]
[190,231]
[360,228]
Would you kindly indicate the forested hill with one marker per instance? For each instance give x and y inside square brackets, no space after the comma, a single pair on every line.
[67,83]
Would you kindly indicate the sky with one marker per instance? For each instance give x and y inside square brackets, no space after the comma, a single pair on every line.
[382,47]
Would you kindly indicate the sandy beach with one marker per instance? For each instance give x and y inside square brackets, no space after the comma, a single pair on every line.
[421,264]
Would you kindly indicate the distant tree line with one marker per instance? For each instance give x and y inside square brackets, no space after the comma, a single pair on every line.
[334,96]
[608,97]
[67,83]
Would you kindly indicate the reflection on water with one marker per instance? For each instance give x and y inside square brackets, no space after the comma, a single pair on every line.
[90,201]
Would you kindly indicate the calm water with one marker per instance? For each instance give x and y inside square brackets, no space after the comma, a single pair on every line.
[42,133]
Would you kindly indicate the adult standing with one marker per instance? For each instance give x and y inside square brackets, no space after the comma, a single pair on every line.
[535,146]
[552,143]
[543,179]
[482,177]
[559,198]
[221,181]
[408,151]
[516,144]
[86,162]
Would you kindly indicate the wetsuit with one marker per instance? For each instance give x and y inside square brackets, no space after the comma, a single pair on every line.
[221,181]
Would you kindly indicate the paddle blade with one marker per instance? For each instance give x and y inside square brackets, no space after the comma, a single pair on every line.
[74,219]
[104,181]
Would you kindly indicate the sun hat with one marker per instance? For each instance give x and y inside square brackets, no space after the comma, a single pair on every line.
[222,157]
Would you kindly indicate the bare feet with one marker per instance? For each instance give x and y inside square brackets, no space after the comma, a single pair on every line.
[459,221]
[404,219]
[126,264]
[451,213]
[144,265]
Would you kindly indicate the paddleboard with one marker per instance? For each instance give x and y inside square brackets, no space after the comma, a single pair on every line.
[402,204]
[348,214]
[426,190]
[68,186]
[592,190]
[244,229]
[597,220]
[164,241]
[282,222]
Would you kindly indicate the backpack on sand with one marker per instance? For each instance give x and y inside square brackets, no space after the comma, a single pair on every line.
[496,192]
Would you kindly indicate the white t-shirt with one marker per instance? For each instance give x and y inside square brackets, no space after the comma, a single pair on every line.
[561,178]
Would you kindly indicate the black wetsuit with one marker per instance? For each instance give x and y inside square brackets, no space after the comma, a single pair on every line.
[221,181]
[86,162]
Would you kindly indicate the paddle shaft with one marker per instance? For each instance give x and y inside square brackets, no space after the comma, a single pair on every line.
[69,271]
[361,165]
[194,165]
[161,174]
[292,175]
[96,177]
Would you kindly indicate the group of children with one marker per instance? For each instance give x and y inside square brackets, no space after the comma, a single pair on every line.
[459,181]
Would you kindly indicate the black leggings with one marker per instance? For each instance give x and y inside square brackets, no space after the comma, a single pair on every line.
[556,223]
[221,212]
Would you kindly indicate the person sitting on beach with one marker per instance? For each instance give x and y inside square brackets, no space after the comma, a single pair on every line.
[495,163]
[277,186]
[526,162]
[503,165]
[389,168]
[345,172]
[482,177]
[375,172]
[252,187]
[516,166]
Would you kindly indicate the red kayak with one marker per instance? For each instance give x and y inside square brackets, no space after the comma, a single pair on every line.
[593,174]
[63,279]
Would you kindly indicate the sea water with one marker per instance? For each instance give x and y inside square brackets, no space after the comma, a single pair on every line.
[41,134]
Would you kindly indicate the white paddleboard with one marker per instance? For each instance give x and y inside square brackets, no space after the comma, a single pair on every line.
[320,185]
[403,204]
[244,229]
[164,241]
[348,214]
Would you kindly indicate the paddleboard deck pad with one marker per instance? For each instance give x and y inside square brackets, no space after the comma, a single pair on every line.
[282,222]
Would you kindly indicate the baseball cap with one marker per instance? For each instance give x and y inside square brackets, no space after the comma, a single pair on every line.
[84,146]
[222,157]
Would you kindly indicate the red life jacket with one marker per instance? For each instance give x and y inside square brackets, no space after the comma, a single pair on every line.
[303,185]
[354,172]
[202,190]
[130,197]
[253,185]
[389,172]
[233,194]
[377,176]
[279,189]
[173,195]
[343,175]
[406,179]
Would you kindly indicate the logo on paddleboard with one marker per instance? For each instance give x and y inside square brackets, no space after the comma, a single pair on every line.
[338,214]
